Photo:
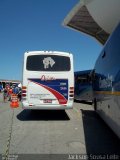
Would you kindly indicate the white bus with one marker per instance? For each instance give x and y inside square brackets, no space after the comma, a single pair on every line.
[48,80]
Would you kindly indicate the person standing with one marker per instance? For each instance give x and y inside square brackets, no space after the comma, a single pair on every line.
[5,93]
[10,93]
[1,87]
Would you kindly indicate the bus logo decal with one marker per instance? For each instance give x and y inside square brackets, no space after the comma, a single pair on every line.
[46,78]
[48,62]
[106,82]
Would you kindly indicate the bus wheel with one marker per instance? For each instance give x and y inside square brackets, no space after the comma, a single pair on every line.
[95,104]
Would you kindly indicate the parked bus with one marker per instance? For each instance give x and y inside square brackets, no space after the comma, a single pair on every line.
[48,80]
[106,82]
[83,86]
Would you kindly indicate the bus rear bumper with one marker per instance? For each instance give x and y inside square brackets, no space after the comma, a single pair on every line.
[26,105]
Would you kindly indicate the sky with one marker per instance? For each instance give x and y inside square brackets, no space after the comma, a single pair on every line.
[33,25]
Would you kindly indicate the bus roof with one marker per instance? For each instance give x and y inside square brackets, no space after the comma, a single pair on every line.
[83,72]
[47,52]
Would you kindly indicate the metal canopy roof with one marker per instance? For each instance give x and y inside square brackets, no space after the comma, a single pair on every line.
[81,20]
[97,18]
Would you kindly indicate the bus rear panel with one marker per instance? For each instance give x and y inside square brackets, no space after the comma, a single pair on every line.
[48,80]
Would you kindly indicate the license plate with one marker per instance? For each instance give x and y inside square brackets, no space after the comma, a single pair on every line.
[47,101]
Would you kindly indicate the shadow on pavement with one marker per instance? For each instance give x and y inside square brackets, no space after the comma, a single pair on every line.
[83,102]
[99,138]
[43,115]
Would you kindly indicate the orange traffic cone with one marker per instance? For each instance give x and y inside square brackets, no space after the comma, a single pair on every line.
[14,101]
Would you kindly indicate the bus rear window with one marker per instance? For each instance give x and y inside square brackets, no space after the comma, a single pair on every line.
[48,63]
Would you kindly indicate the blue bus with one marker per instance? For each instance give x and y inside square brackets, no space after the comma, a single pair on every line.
[106,82]
[83,86]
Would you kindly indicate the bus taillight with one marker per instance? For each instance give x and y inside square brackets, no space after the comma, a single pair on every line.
[72,88]
[23,91]
[71,92]
[23,95]
[24,88]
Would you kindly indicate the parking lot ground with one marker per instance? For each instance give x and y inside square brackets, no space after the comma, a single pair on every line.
[55,133]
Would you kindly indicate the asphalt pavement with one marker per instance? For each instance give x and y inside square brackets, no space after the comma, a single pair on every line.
[55,134]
